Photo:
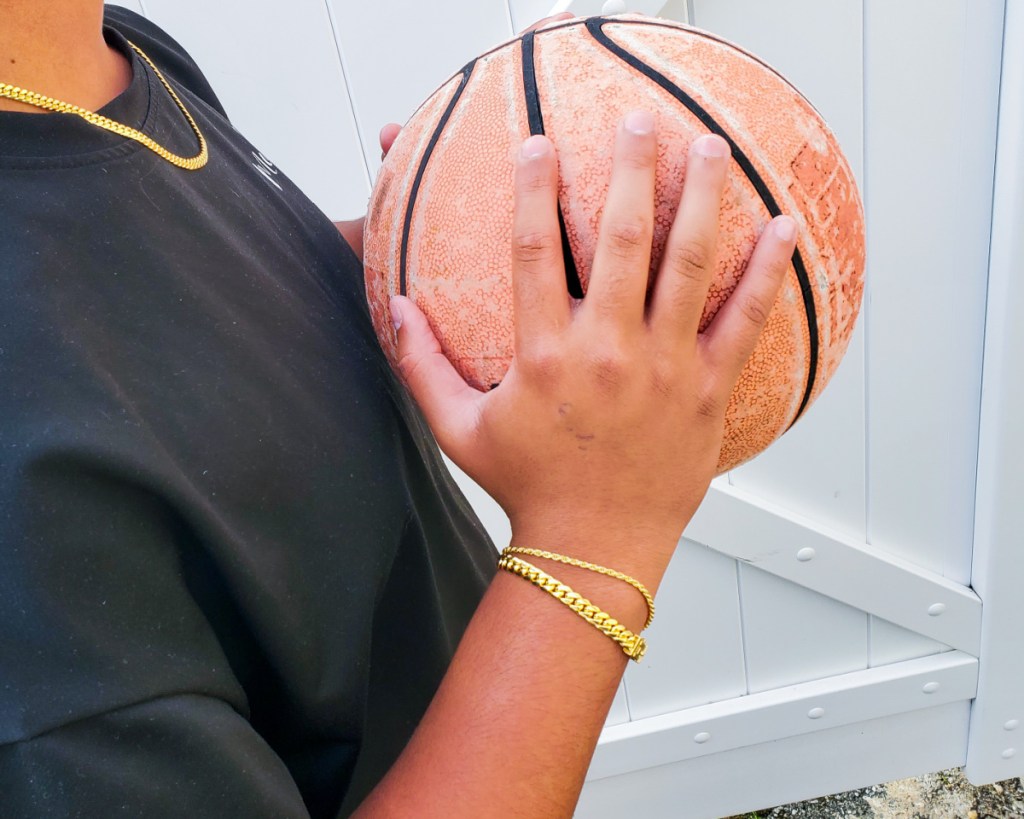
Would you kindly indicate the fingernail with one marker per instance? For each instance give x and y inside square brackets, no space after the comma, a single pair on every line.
[396,313]
[640,123]
[785,228]
[536,147]
[711,146]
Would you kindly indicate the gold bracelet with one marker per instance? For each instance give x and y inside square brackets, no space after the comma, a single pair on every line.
[582,564]
[633,645]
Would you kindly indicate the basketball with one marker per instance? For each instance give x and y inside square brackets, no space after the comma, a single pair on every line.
[439,223]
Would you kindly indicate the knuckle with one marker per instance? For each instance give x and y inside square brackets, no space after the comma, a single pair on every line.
[542,362]
[408,365]
[535,183]
[642,159]
[609,366]
[708,405]
[533,246]
[777,268]
[691,258]
[754,309]
[628,236]
[663,378]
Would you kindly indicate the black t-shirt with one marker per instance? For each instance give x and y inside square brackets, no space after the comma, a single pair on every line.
[233,568]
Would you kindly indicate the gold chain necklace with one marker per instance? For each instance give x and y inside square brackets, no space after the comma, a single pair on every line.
[194,163]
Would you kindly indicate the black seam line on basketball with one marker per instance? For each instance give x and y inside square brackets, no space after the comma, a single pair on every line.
[536,121]
[533,114]
[657,23]
[424,160]
[594,25]
[707,35]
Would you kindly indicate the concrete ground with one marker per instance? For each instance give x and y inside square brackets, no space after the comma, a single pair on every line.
[945,795]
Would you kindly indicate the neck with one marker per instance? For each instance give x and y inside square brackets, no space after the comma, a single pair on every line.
[56,48]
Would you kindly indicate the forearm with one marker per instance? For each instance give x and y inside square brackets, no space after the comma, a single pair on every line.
[515,722]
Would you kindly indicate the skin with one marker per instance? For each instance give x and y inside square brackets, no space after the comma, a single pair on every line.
[57,49]
[601,395]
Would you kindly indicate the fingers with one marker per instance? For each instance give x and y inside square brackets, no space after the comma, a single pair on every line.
[388,135]
[554,18]
[443,395]
[540,297]
[688,264]
[734,332]
[618,281]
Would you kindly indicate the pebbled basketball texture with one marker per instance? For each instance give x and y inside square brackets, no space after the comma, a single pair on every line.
[439,223]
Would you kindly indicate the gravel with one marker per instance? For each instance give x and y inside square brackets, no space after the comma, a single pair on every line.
[944,795]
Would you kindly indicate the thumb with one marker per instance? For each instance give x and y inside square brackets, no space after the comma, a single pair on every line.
[447,401]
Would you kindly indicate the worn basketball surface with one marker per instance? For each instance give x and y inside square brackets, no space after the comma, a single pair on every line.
[440,216]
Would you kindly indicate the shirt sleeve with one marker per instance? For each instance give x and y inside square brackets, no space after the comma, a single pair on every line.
[182,755]
[116,696]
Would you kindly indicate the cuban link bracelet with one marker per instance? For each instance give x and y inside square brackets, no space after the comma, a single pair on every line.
[633,645]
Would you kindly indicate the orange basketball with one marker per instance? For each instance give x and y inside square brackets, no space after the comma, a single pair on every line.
[440,216]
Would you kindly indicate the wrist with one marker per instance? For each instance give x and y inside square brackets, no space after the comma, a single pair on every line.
[628,640]
[641,551]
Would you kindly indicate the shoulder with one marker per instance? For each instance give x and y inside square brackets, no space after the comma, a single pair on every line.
[174,61]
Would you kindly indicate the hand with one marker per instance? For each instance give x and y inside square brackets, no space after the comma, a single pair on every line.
[605,433]
[352,229]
